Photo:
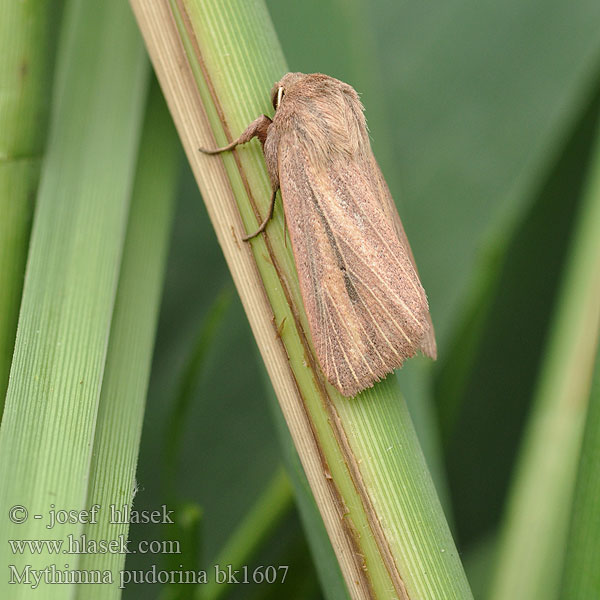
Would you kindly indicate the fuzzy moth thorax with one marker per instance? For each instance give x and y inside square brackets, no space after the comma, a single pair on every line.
[325,114]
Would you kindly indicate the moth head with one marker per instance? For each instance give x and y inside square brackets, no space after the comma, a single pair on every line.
[285,84]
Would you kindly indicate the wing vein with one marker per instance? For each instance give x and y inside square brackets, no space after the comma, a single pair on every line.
[385,243]
[382,281]
[341,345]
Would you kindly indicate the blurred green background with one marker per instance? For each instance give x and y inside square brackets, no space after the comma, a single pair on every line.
[481,115]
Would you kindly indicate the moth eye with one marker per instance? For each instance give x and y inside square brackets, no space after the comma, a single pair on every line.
[277,97]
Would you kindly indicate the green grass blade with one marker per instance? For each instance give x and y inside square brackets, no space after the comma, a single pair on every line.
[361,455]
[535,528]
[581,577]
[186,386]
[272,505]
[129,355]
[490,373]
[27,40]
[182,541]
[47,431]
[328,570]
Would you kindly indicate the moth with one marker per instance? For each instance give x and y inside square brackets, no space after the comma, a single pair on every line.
[367,310]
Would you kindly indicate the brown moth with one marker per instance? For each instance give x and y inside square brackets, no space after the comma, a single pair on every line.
[366,308]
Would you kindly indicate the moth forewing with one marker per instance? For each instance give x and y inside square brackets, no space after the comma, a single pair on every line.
[366,309]
[428,344]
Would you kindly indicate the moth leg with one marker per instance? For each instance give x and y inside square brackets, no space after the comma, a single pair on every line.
[258,128]
[263,225]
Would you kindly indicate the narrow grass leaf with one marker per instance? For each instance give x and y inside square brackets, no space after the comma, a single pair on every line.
[28,33]
[262,518]
[328,570]
[48,428]
[187,385]
[490,374]
[537,517]
[234,58]
[581,577]
[129,356]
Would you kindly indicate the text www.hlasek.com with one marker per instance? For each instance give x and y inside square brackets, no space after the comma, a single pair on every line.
[84,545]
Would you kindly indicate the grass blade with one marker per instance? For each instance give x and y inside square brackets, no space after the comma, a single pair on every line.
[536,522]
[272,505]
[581,577]
[129,356]
[491,372]
[328,570]
[27,40]
[361,455]
[47,430]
